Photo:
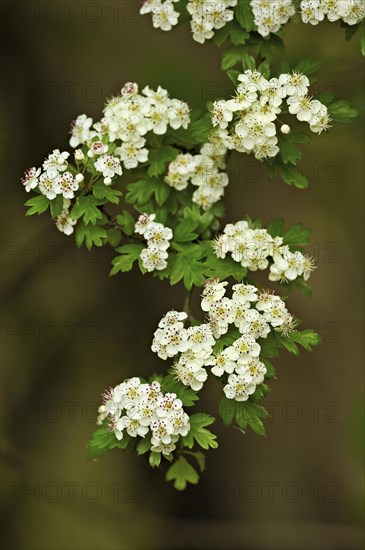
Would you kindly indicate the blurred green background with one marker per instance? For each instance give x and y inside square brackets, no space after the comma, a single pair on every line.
[68,331]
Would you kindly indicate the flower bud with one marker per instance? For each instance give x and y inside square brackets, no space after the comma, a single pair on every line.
[79,178]
[79,155]
[285,129]
[129,89]
[108,181]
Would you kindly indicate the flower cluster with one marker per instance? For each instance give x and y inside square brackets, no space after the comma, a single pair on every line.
[203,171]
[64,222]
[139,409]
[206,15]
[270,15]
[194,345]
[256,249]
[350,11]
[251,113]
[240,361]
[158,239]
[127,119]
[55,178]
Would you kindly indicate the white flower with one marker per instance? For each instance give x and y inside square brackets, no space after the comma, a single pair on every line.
[158,236]
[244,293]
[48,184]
[56,162]
[239,387]
[255,369]
[109,166]
[64,222]
[30,179]
[131,155]
[162,430]
[66,184]
[213,292]
[80,130]
[255,325]
[173,319]
[154,258]
[168,404]
[164,15]
[246,348]
[143,223]
[225,361]
[190,375]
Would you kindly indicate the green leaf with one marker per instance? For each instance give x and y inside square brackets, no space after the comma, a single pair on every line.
[270,369]
[237,35]
[129,253]
[248,62]
[233,75]
[224,268]
[126,221]
[199,433]
[276,227]
[291,175]
[199,457]
[87,207]
[56,206]
[139,192]
[306,338]
[249,414]
[269,347]
[38,205]
[92,235]
[297,235]
[102,191]
[231,57]
[182,473]
[227,339]
[144,445]
[201,128]
[289,153]
[227,410]
[158,158]
[341,111]
[184,231]
[155,459]
[101,441]
[244,15]
[186,265]
[114,237]
[308,66]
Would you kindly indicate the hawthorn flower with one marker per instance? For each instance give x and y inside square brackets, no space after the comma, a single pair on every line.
[270,16]
[154,258]
[109,166]
[225,361]
[56,162]
[143,223]
[213,292]
[158,241]
[140,409]
[190,375]
[254,369]
[81,130]
[64,222]
[239,387]
[164,15]
[66,185]
[48,184]
[30,179]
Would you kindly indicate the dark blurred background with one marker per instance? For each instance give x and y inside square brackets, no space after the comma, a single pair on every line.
[68,331]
